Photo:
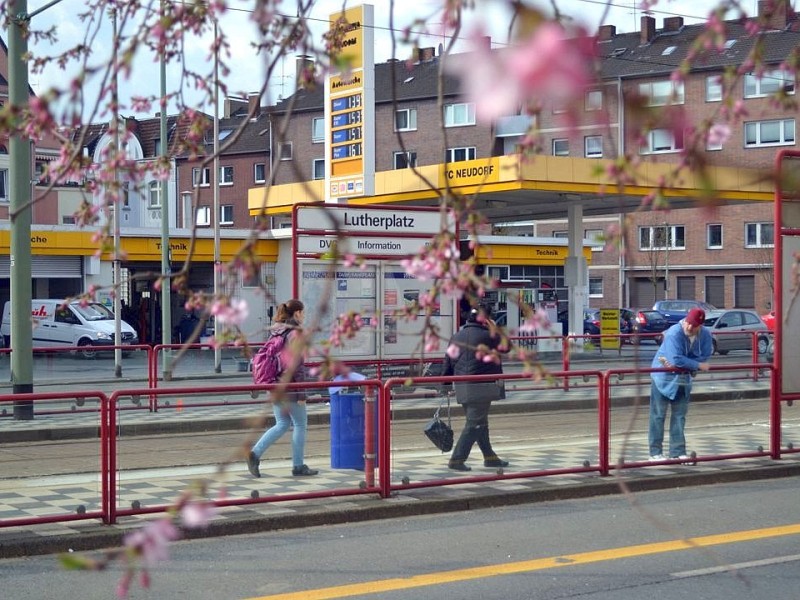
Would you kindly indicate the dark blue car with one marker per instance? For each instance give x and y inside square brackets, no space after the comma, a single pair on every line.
[675,310]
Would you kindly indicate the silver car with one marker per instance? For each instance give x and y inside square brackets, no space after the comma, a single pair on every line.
[725,324]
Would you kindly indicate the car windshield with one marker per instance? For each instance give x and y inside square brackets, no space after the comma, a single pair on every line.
[93,312]
[709,322]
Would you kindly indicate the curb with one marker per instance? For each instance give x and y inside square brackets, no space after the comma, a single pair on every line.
[424,501]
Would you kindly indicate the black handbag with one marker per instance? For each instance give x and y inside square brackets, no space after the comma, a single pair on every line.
[439,432]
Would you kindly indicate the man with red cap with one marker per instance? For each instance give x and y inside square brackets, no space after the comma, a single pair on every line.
[686,348]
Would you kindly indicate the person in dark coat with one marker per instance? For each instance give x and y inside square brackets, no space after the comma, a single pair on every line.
[465,357]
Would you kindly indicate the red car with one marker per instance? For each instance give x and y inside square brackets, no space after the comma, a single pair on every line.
[769,320]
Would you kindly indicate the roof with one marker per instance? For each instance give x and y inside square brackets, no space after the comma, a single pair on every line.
[624,55]
[393,79]
[621,56]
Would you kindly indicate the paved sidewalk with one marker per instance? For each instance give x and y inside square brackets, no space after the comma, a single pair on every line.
[76,488]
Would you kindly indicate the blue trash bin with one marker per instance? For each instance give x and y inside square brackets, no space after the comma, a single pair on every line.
[347,430]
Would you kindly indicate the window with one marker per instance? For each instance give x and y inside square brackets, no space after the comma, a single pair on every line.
[713,88]
[3,185]
[251,276]
[595,287]
[226,214]
[226,175]
[406,119]
[154,195]
[499,273]
[759,235]
[714,138]
[770,83]
[319,168]
[561,147]
[318,130]
[714,236]
[593,100]
[458,115]
[662,237]
[561,234]
[769,133]
[186,210]
[286,151]
[157,147]
[661,93]
[593,146]
[459,154]
[260,172]
[203,215]
[596,237]
[201,177]
[662,140]
[404,160]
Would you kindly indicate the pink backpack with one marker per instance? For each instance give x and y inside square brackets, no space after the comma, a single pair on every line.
[269,363]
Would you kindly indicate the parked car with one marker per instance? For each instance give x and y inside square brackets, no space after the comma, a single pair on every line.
[675,310]
[769,320]
[723,324]
[644,321]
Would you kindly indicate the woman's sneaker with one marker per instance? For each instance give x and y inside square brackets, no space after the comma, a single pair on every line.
[252,465]
[657,457]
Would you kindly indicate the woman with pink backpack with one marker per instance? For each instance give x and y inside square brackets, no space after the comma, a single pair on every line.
[292,409]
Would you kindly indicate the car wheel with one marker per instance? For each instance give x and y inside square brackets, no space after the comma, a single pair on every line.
[763,344]
[86,349]
[714,346]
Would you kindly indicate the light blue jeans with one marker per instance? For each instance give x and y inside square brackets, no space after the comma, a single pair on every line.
[677,421]
[286,413]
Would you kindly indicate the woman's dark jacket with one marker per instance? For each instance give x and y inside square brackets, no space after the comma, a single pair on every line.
[468,338]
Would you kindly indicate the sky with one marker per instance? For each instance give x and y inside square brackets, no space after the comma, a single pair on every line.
[248,72]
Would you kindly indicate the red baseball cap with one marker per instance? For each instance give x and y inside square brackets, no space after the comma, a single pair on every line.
[695,317]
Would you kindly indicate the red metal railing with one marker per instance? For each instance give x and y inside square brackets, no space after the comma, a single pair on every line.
[393,391]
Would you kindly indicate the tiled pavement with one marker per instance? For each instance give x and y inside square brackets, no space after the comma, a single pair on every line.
[71,491]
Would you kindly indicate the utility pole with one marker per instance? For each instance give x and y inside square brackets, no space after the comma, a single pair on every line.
[217,261]
[166,282]
[20,212]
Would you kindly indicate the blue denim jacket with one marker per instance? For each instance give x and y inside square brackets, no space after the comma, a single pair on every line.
[681,354]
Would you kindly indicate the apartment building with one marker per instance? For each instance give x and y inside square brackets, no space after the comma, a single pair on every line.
[720,253]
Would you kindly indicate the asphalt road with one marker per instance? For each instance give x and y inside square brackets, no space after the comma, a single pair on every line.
[712,542]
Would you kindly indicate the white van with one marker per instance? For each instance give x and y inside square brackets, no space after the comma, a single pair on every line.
[58,324]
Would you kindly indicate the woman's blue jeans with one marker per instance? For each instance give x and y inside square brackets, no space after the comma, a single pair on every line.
[286,413]
[677,421]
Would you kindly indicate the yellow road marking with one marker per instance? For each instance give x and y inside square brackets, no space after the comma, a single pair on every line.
[539,564]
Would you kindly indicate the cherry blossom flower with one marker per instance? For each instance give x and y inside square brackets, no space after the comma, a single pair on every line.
[550,63]
[718,134]
[195,515]
[453,351]
[231,313]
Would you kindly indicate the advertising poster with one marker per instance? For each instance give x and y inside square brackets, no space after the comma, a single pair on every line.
[403,336]
[350,289]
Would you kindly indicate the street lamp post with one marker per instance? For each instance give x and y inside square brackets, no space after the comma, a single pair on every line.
[668,237]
